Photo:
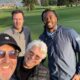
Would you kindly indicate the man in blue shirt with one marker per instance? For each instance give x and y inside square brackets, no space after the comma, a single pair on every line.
[62,44]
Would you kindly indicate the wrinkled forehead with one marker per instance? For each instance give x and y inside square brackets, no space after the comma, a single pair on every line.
[35,50]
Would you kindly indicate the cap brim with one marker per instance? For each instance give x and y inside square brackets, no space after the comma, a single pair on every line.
[16,47]
[13,45]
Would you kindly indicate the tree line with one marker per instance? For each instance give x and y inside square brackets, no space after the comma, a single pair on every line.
[68,3]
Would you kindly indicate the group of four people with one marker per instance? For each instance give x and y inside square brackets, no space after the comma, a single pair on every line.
[62,43]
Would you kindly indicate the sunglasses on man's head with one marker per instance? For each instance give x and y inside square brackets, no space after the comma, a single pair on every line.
[12,54]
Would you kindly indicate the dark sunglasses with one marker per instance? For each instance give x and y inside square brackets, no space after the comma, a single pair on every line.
[12,54]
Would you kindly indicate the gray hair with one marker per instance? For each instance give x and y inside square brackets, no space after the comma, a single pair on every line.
[39,44]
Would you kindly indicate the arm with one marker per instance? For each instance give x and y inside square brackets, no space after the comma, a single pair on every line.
[75,39]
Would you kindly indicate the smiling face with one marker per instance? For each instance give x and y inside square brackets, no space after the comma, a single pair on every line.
[50,20]
[33,57]
[18,21]
[7,64]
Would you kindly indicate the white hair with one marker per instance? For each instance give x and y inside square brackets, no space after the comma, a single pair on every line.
[40,44]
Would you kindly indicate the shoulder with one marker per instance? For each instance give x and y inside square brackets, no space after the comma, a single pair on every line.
[43,72]
[43,37]
[26,30]
[8,30]
[70,32]
[66,30]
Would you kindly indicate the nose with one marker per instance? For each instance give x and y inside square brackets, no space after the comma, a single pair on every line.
[6,58]
[33,57]
[48,19]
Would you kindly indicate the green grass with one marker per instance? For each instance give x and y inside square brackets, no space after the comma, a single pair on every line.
[69,17]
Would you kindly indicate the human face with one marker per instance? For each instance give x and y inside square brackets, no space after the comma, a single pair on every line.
[18,21]
[50,20]
[33,57]
[7,64]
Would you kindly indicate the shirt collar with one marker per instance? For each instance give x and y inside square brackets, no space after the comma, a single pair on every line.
[14,30]
[50,34]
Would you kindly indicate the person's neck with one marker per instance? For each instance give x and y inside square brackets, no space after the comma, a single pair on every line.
[52,29]
[19,30]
